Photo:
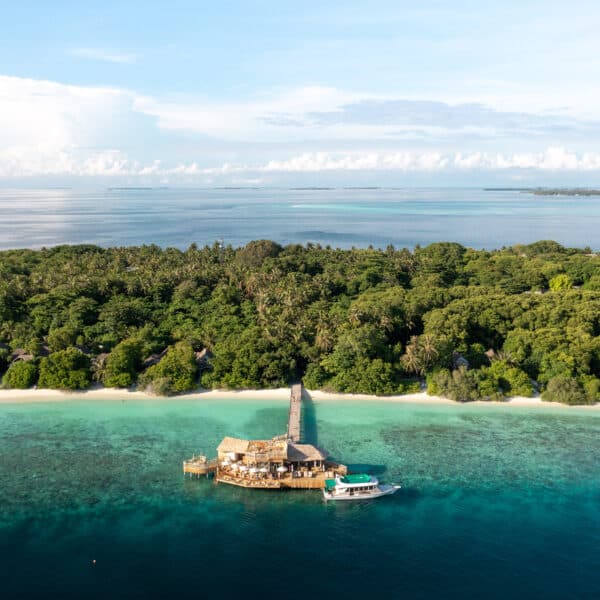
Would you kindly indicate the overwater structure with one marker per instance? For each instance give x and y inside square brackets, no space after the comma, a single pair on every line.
[278,463]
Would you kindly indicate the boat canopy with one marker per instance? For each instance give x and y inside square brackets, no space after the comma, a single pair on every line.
[357,478]
[330,485]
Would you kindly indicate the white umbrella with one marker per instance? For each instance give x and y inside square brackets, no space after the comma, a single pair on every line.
[253,469]
[264,470]
[235,466]
[225,463]
[243,468]
[282,469]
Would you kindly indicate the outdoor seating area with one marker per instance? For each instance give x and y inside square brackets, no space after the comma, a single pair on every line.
[233,479]
[275,463]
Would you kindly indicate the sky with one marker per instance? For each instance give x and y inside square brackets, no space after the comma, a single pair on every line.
[300,93]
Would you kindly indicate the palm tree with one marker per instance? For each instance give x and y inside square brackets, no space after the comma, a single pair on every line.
[427,349]
[411,358]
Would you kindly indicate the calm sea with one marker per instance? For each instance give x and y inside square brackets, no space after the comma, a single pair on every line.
[497,502]
[338,217]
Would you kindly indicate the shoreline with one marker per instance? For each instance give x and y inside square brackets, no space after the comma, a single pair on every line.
[102,393]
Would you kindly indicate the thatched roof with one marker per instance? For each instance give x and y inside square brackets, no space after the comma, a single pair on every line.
[275,450]
[231,444]
[20,354]
[203,356]
[268,450]
[305,453]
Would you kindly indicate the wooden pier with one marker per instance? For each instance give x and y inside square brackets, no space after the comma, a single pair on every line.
[281,462]
[293,431]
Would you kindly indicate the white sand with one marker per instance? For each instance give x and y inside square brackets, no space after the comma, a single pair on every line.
[102,393]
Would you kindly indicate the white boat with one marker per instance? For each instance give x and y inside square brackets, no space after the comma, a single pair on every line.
[356,487]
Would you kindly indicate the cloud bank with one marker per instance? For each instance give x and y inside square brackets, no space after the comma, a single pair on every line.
[52,129]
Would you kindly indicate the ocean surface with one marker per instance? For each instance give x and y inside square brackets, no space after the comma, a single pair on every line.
[337,217]
[497,502]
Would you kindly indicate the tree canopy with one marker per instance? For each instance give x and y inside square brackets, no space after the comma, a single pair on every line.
[476,324]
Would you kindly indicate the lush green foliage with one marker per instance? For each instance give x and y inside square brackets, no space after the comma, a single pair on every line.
[566,390]
[20,375]
[477,324]
[122,364]
[176,372]
[65,370]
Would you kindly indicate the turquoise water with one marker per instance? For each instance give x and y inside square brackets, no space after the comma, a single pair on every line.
[496,501]
[338,217]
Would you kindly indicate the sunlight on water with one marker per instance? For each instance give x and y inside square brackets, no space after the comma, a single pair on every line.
[338,217]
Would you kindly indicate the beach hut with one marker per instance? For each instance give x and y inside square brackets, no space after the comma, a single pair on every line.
[306,455]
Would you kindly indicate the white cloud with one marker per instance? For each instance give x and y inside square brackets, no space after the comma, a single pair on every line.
[324,161]
[272,116]
[552,159]
[102,54]
[48,128]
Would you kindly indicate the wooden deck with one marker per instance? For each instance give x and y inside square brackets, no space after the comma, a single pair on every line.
[247,482]
[305,479]
[199,466]
[316,482]
[293,431]
[306,483]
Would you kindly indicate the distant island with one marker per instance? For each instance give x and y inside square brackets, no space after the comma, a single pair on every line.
[469,324]
[550,191]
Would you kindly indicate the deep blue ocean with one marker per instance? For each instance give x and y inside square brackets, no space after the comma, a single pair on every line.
[497,502]
[336,217]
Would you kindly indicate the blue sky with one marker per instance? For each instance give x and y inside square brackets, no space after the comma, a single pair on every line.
[271,93]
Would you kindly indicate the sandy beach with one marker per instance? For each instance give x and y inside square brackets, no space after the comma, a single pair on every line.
[102,393]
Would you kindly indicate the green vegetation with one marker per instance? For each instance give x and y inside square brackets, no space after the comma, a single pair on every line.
[122,364]
[20,375]
[474,324]
[566,192]
[65,370]
[176,372]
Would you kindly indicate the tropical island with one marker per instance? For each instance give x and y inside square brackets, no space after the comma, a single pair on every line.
[540,191]
[566,192]
[470,324]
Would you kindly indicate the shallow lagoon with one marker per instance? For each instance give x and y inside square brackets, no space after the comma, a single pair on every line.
[496,500]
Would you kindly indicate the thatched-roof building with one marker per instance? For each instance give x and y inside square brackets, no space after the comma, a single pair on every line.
[305,453]
[232,445]
[21,354]
[202,357]
[277,451]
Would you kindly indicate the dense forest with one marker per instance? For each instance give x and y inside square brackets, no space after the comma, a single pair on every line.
[471,324]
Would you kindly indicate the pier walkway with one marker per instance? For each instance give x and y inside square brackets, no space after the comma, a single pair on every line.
[293,431]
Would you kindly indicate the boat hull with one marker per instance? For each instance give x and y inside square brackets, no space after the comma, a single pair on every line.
[382,490]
